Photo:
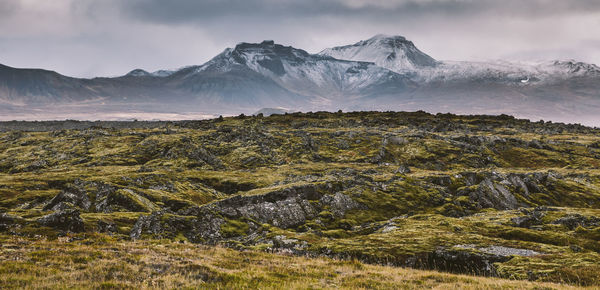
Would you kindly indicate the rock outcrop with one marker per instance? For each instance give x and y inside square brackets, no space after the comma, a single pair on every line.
[64,220]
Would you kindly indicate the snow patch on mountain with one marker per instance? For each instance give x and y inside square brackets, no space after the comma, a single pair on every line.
[506,72]
[395,53]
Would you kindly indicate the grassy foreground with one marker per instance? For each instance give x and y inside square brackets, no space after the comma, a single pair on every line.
[99,261]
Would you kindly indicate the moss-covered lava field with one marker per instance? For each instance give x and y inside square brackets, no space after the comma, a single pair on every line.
[361,196]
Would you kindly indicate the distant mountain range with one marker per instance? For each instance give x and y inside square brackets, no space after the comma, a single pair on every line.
[381,73]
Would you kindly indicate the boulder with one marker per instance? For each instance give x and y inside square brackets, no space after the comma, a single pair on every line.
[403,169]
[339,203]
[123,200]
[73,196]
[394,140]
[494,195]
[7,221]
[201,227]
[106,227]
[474,260]
[572,221]
[65,220]
[531,218]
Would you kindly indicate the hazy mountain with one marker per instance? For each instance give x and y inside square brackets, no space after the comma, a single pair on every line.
[380,73]
[272,111]
[30,86]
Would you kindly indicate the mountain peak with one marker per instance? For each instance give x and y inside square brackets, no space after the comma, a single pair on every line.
[387,37]
[265,51]
[393,52]
[268,47]
[138,73]
[266,54]
[577,67]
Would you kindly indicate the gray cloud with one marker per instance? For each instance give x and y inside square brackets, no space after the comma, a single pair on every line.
[111,37]
[8,6]
[177,11]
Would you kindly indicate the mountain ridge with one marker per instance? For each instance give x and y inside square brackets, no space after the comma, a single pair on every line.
[251,76]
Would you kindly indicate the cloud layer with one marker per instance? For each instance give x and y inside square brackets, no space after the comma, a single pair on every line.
[110,37]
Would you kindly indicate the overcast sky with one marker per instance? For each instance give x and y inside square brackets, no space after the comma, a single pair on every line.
[88,38]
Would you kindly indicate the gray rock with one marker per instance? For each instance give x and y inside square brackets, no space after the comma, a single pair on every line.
[123,200]
[572,221]
[8,221]
[66,220]
[203,227]
[74,196]
[339,203]
[531,218]
[106,227]
[501,250]
[403,169]
[494,195]
[394,140]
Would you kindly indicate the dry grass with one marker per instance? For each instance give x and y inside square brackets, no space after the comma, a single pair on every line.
[98,261]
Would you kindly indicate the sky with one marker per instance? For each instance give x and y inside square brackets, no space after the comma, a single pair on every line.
[87,38]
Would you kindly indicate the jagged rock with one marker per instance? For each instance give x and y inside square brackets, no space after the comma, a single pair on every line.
[459,260]
[285,213]
[309,143]
[149,224]
[388,228]
[187,149]
[7,221]
[382,156]
[501,250]
[394,140]
[285,208]
[470,178]
[284,244]
[72,195]
[516,181]
[403,169]
[66,220]
[494,195]
[36,165]
[474,260]
[106,227]
[531,218]
[339,203]
[202,227]
[7,218]
[123,200]
[441,180]
[289,207]
[572,221]
[343,144]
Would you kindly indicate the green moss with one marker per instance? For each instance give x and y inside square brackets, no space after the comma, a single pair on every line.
[234,228]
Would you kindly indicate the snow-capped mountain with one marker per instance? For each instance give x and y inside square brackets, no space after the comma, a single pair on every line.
[398,54]
[506,72]
[321,78]
[395,53]
[381,73]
